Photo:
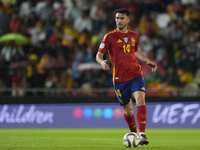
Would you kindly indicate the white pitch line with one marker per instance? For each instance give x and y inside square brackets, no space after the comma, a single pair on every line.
[103,146]
[94,139]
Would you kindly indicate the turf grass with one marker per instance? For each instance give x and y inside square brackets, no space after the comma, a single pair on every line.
[95,139]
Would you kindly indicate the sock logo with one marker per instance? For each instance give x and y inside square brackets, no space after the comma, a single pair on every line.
[132,126]
[143,116]
[143,122]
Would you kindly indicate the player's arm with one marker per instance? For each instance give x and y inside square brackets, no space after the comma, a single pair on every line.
[143,58]
[101,61]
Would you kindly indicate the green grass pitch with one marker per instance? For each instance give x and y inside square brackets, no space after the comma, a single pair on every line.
[95,139]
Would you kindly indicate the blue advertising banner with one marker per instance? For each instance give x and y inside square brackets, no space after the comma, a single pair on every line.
[97,115]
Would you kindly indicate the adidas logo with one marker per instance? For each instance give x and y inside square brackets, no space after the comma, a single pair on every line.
[119,41]
[133,127]
[143,88]
[143,122]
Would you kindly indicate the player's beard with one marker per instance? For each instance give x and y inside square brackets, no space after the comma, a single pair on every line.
[122,27]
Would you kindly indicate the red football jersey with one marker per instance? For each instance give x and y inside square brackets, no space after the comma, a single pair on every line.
[121,48]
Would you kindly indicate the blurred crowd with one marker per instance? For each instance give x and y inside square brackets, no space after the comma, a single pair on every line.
[65,35]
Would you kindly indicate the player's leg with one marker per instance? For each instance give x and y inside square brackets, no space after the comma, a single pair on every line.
[123,94]
[129,116]
[138,89]
[141,115]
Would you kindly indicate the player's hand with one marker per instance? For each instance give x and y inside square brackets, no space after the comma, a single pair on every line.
[152,65]
[105,65]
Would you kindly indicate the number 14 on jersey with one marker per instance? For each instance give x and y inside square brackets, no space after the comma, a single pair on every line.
[126,48]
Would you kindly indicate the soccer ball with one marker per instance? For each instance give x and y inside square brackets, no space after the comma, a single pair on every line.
[130,139]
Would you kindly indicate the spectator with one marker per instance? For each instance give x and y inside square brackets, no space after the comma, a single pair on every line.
[146,69]
[60,8]
[35,80]
[15,23]
[83,22]
[46,11]
[187,63]
[18,82]
[11,52]
[153,80]
[46,59]
[26,8]
[171,79]
[73,11]
[37,33]
[4,23]
[98,15]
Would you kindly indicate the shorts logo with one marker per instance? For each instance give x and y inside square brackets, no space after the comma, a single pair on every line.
[143,88]
[119,41]
[121,101]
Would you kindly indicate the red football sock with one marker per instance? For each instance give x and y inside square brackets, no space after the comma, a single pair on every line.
[142,118]
[131,122]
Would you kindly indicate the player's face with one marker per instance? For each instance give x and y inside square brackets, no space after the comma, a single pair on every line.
[121,20]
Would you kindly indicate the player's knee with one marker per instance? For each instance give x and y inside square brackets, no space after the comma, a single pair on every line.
[128,112]
[140,101]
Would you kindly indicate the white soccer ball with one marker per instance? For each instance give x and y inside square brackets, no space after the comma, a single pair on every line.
[130,139]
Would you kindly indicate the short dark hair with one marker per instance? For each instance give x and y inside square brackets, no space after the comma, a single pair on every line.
[123,11]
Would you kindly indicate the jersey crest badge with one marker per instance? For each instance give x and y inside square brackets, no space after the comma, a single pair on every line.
[126,39]
[133,41]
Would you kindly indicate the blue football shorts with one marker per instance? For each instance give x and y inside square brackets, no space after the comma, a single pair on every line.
[124,90]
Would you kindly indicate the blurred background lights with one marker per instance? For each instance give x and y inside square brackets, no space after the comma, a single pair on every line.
[98,113]
[108,113]
[118,113]
[88,113]
[78,113]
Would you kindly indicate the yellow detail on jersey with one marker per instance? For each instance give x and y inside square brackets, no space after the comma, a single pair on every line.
[108,34]
[132,31]
[119,41]
[140,68]
[113,71]
[143,88]
[104,38]
[113,68]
